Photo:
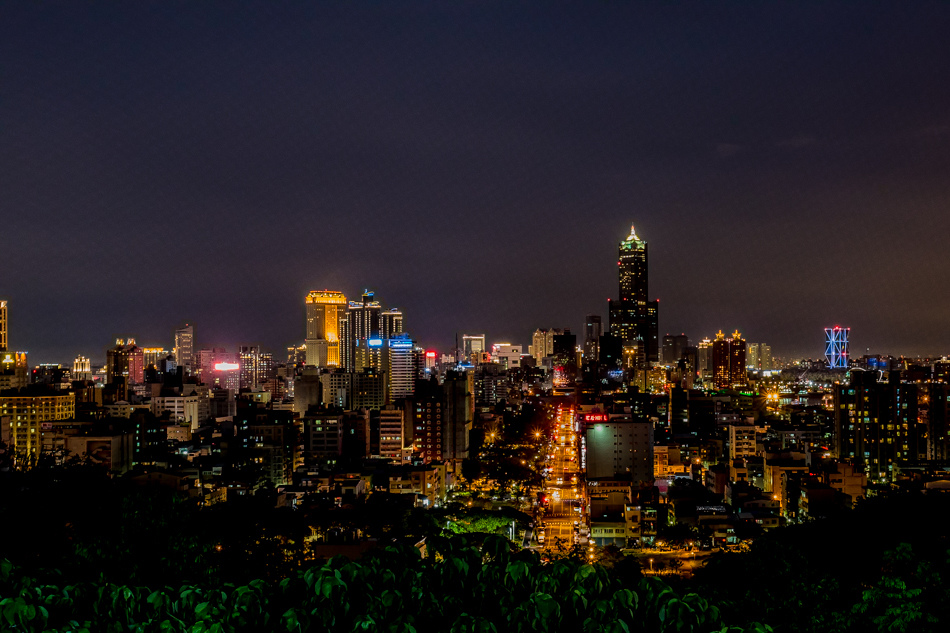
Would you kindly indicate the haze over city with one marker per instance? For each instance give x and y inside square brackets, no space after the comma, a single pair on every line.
[475,165]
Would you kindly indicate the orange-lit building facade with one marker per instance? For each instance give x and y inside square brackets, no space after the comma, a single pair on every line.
[324,309]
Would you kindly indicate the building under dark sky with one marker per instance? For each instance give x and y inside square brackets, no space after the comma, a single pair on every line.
[633,316]
[474,163]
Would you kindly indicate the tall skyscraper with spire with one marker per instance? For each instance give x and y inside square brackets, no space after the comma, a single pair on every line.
[633,317]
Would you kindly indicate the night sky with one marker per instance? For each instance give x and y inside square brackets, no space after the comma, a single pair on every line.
[476,165]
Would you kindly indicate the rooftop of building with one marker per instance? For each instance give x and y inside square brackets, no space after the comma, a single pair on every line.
[632,241]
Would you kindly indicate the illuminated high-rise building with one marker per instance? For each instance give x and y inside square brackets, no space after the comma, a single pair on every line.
[225,373]
[369,354]
[391,323]
[737,359]
[3,326]
[249,358]
[542,343]
[297,354]
[205,360]
[346,342]
[506,355]
[729,360]
[392,433]
[404,365]
[673,346]
[620,448]
[472,347]
[836,346]
[360,336]
[185,347]
[565,359]
[877,426]
[82,369]
[324,309]
[722,377]
[153,356]
[266,369]
[633,317]
[12,375]
[365,316]
[593,331]
[758,356]
[125,361]
[14,370]
[752,356]
[936,411]
[704,363]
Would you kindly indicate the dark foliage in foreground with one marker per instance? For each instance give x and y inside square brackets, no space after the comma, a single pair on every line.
[882,567]
[460,587]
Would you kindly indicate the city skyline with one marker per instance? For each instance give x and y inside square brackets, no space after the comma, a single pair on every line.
[160,339]
[788,174]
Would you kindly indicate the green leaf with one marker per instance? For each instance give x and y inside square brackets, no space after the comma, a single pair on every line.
[6,570]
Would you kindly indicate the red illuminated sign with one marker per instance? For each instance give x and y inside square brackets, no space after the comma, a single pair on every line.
[595,417]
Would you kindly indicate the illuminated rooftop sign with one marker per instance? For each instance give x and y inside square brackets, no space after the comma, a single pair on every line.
[226,366]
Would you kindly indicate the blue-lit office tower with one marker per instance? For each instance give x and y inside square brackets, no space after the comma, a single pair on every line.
[633,317]
[359,324]
[836,346]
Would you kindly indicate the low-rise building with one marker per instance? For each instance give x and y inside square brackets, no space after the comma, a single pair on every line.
[323,436]
[181,409]
[426,482]
[846,480]
[112,451]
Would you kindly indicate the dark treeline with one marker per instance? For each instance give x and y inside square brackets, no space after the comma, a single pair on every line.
[881,567]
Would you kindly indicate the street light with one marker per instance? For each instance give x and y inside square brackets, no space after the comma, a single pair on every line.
[651,565]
